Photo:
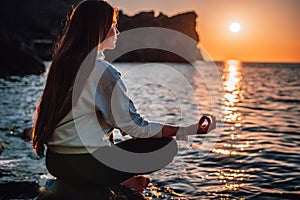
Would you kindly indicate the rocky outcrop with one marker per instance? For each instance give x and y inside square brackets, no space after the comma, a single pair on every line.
[28,30]
[173,40]
[18,59]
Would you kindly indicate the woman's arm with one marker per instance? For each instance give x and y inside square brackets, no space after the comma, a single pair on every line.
[119,111]
[194,129]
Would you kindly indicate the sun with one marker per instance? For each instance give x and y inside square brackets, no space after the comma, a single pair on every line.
[235,27]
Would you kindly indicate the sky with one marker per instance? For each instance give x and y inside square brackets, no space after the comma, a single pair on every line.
[269,29]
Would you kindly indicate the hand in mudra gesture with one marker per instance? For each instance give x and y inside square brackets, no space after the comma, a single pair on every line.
[204,126]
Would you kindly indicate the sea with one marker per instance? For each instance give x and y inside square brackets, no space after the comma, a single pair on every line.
[254,153]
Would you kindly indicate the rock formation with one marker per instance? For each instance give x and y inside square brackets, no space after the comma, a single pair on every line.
[23,25]
[28,30]
[174,39]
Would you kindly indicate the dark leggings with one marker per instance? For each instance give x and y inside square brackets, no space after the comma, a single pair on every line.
[85,169]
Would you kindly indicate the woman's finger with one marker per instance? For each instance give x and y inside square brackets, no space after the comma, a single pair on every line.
[203,128]
[202,120]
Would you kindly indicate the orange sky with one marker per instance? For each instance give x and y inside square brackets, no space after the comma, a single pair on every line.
[270,29]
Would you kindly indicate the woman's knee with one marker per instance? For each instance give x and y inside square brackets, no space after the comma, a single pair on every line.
[147,145]
[173,147]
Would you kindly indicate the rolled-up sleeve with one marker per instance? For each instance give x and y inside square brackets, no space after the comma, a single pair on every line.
[118,110]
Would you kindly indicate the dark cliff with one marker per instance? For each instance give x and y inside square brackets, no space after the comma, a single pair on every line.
[173,40]
[28,30]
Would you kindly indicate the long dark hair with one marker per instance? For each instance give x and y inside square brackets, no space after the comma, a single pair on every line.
[87,26]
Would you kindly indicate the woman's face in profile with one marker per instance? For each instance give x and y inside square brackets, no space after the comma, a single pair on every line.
[111,38]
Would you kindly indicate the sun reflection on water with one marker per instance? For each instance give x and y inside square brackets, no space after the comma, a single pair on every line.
[232,78]
[233,143]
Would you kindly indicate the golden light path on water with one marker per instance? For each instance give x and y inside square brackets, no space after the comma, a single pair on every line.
[235,145]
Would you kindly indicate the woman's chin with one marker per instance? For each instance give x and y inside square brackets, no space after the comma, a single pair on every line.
[112,47]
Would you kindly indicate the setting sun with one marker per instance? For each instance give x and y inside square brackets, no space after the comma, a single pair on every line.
[235,27]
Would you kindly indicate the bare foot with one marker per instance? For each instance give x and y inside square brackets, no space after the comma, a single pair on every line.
[138,183]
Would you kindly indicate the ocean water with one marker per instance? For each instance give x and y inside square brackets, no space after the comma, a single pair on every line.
[253,154]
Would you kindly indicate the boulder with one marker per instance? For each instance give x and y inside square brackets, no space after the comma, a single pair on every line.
[18,60]
[26,134]
[28,30]
[19,190]
[2,145]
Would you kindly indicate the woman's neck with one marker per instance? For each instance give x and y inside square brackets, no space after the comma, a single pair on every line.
[100,55]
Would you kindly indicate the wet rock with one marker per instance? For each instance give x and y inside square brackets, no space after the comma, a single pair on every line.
[19,190]
[26,134]
[2,145]
[60,191]
[125,193]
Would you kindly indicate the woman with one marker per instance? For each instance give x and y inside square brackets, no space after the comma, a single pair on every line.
[77,90]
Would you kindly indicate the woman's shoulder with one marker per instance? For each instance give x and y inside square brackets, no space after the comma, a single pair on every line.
[107,68]
[108,73]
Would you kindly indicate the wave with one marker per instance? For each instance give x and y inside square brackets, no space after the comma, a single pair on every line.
[284,100]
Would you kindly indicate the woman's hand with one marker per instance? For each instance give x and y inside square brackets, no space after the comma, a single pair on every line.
[203,127]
